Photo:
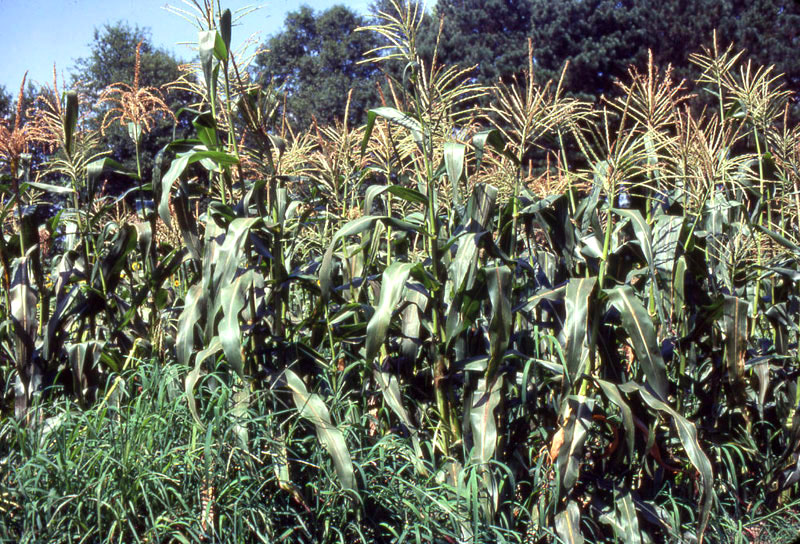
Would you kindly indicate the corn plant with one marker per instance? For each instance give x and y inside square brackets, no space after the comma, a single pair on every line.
[540,320]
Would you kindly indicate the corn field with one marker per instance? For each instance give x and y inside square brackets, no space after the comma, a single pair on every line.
[490,314]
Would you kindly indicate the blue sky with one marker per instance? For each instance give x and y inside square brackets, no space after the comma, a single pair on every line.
[37,33]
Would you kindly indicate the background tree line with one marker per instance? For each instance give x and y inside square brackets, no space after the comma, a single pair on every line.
[314,60]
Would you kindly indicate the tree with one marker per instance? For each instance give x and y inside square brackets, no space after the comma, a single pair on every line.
[489,34]
[315,60]
[769,30]
[5,103]
[112,60]
[601,38]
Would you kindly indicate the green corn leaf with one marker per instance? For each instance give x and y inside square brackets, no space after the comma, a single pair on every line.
[482,203]
[48,188]
[178,167]
[498,280]
[612,393]
[666,236]
[410,344]
[233,300]
[578,421]
[193,310]
[687,433]
[211,43]
[110,266]
[70,119]
[390,388]
[568,524]
[546,294]
[206,127]
[734,325]
[576,326]
[494,138]
[230,254]
[356,226]
[194,375]
[394,280]
[539,205]
[485,400]
[624,520]
[409,195]
[454,155]
[225,32]
[461,271]
[642,232]
[82,356]
[96,170]
[778,238]
[637,323]
[23,301]
[395,116]
[313,409]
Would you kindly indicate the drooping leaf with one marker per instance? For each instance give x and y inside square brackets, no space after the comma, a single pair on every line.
[485,400]
[568,524]
[395,116]
[193,310]
[177,168]
[213,348]
[95,171]
[394,279]
[687,433]
[233,300]
[354,227]
[494,138]
[637,323]
[390,388]
[576,326]
[312,408]
[405,193]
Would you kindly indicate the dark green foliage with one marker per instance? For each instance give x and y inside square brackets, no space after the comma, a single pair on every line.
[767,30]
[5,103]
[488,34]
[601,38]
[315,61]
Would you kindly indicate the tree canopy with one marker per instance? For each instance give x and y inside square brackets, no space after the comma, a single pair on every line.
[5,102]
[315,60]
[601,38]
[489,34]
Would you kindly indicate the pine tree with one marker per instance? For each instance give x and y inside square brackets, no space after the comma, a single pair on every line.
[315,60]
[488,34]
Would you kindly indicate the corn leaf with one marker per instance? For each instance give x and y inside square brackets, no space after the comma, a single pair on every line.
[637,323]
[568,524]
[394,280]
[576,326]
[313,409]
